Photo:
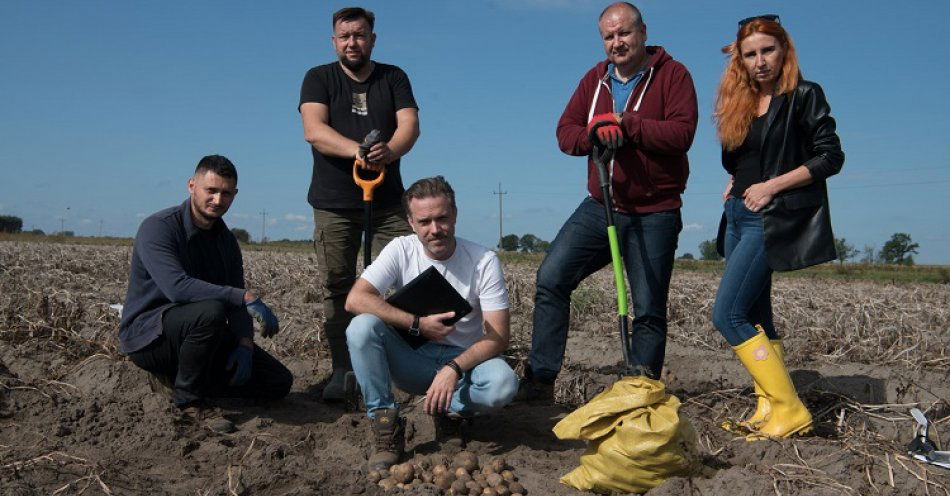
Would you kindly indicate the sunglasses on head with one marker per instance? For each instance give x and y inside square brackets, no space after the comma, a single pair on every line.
[764,17]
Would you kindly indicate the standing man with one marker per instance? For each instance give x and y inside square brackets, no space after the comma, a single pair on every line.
[187,316]
[641,104]
[340,103]
[458,369]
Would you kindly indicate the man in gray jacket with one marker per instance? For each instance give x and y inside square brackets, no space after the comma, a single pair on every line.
[187,316]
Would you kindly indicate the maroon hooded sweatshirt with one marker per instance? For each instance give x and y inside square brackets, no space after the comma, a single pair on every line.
[649,171]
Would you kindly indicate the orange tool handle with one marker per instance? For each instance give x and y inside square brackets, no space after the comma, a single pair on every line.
[367,185]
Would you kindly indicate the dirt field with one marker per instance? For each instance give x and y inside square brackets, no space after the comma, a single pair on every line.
[77,417]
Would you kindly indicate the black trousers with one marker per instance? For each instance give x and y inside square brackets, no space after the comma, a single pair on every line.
[193,352]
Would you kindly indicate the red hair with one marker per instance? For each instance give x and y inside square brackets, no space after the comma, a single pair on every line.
[738,95]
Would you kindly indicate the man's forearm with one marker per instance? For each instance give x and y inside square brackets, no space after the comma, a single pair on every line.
[327,141]
[482,350]
[361,302]
[403,139]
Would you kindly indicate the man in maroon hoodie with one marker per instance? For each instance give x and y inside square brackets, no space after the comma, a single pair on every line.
[641,103]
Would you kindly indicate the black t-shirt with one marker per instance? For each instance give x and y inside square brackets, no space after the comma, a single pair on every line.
[355,109]
[749,159]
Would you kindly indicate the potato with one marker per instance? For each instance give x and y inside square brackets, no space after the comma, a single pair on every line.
[498,464]
[460,471]
[508,475]
[467,460]
[502,490]
[473,487]
[489,492]
[423,462]
[387,484]
[403,473]
[383,474]
[480,478]
[373,476]
[458,487]
[494,480]
[443,481]
[439,469]
[427,477]
[464,477]
[516,487]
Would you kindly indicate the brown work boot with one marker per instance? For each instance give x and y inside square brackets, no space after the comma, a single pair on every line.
[451,430]
[389,433]
[534,391]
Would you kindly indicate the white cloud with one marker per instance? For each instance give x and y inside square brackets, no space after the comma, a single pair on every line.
[85,222]
[295,218]
[302,228]
[693,227]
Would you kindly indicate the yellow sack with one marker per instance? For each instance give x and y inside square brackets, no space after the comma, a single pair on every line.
[637,439]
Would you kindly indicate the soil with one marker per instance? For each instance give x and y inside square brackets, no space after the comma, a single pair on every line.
[77,417]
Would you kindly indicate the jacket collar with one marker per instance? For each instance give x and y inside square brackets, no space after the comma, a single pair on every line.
[189,224]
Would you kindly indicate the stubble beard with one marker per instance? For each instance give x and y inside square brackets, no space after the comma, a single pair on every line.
[354,65]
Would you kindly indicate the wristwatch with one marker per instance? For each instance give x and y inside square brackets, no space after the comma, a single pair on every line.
[414,328]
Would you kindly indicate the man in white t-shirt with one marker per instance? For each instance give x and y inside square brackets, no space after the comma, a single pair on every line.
[459,368]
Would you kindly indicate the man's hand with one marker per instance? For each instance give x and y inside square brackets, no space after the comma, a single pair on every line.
[264,316]
[240,362]
[439,394]
[432,327]
[380,154]
[757,196]
[605,129]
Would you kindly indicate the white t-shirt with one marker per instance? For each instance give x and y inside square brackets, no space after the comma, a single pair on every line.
[473,270]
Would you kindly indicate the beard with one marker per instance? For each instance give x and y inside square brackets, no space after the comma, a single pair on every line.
[354,65]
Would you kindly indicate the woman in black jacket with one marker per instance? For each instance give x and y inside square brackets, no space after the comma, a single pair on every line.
[779,145]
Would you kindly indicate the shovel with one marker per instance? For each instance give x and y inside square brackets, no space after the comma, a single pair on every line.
[367,185]
[601,160]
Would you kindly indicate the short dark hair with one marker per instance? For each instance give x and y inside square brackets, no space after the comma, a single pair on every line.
[352,14]
[428,188]
[218,164]
[633,8]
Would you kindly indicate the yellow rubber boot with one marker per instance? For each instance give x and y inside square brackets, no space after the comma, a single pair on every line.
[788,414]
[762,408]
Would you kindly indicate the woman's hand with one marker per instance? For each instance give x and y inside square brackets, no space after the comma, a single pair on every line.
[757,196]
[725,192]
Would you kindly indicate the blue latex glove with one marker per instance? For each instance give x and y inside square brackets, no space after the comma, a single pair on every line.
[262,314]
[240,361]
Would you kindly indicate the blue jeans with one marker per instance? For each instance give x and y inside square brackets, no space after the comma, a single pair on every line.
[744,295]
[647,244]
[381,358]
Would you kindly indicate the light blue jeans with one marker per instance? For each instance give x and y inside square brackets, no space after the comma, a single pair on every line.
[744,295]
[381,358]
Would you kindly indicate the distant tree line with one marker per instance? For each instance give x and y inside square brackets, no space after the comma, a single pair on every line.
[10,224]
[528,243]
[899,250]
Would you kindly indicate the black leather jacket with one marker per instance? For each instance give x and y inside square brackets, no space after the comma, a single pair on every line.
[797,224]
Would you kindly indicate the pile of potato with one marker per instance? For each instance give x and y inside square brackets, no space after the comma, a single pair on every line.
[463,477]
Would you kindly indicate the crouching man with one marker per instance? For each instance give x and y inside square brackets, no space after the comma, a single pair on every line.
[187,316]
[458,369]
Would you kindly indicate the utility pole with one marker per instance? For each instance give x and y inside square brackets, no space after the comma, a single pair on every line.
[263,222]
[500,194]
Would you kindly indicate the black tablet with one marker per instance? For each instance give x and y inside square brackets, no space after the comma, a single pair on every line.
[427,294]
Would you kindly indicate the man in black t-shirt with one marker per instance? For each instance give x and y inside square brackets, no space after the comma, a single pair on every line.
[340,103]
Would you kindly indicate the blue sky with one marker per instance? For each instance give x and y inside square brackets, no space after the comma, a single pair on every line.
[106,107]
